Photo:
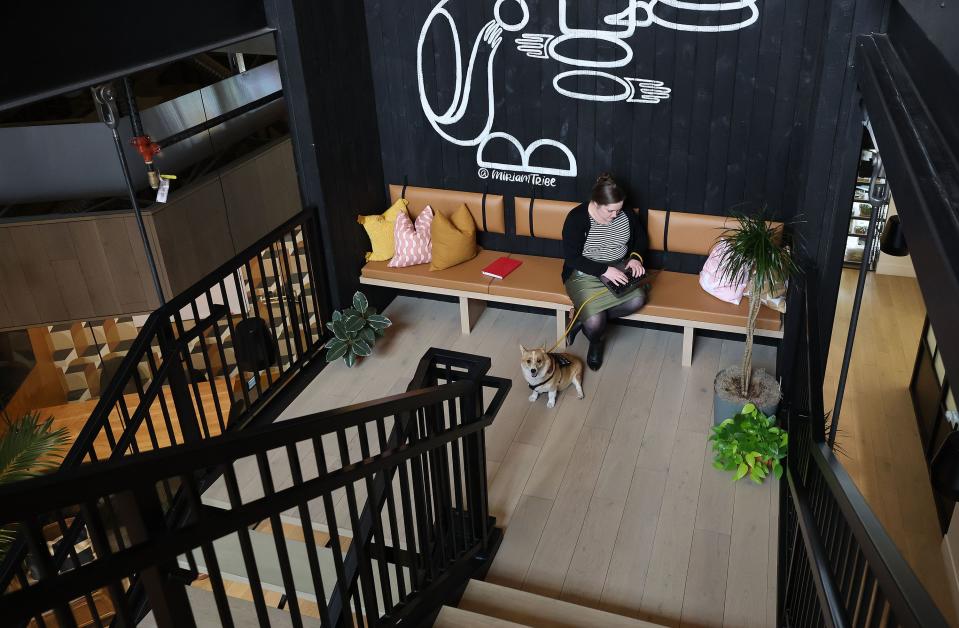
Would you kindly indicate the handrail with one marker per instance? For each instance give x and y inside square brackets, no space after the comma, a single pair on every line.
[879,549]
[149,331]
[829,598]
[165,332]
[423,448]
[45,492]
[828,531]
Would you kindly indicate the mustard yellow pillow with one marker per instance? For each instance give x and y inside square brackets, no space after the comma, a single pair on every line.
[379,228]
[454,239]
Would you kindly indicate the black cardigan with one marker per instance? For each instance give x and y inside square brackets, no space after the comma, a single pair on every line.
[575,230]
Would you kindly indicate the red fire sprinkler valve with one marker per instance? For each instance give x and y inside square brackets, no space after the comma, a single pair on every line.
[147,149]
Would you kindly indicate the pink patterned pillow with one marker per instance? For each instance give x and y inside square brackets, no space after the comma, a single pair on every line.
[413,245]
[712,280]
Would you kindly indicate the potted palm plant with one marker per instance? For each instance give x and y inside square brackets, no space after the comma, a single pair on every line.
[29,446]
[753,254]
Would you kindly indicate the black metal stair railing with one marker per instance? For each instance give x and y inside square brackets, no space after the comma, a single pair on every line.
[294,523]
[203,364]
[837,565]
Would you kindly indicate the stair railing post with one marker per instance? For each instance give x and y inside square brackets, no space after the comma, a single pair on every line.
[141,514]
[179,385]
[474,447]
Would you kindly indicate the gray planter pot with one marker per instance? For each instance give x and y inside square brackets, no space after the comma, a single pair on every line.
[727,402]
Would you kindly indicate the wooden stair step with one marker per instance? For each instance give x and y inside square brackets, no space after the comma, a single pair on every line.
[451,617]
[538,611]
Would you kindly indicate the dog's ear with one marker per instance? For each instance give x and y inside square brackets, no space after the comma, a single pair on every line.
[522,349]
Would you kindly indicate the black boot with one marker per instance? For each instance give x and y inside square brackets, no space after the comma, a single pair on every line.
[573,332]
[594,357]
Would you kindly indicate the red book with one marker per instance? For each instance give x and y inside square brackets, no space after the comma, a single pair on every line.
[501,267]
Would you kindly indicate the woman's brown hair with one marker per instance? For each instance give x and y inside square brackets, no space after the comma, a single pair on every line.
[606,191]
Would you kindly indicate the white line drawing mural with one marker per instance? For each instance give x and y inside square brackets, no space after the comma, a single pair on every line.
[452,124]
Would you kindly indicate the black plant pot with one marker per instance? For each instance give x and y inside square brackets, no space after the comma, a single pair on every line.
[727,405]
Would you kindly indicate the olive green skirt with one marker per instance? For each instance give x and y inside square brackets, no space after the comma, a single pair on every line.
[580,287]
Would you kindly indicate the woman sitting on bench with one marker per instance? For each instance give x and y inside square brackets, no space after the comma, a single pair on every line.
[597,237]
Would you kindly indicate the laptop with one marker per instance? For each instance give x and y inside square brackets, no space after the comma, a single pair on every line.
[620,289]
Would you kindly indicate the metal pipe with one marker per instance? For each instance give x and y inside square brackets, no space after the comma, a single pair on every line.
[105,98]
[137,125]
[856,305]
[220,119]
[132,106]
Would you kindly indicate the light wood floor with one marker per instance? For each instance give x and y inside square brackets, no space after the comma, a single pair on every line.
[877,425]
[610,501]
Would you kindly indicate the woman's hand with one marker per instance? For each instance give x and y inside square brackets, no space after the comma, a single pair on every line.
[615,275]
[635,267]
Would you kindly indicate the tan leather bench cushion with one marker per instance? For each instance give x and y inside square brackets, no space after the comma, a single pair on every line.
[688,233]
[548,217]
[674,295]
[448,201]
[467,276]
[679,295]
[537,279]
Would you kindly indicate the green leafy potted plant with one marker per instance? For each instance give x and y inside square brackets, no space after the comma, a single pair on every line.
[355,331]
[28,447]
[750,444]
[753,253]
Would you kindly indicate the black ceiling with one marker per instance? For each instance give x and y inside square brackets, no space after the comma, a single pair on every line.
[48,49]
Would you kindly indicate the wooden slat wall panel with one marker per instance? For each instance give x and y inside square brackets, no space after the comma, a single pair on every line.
[191,234]
[133,290]
[261,193]
[15,290]
[34,260]
[94,266]
[72,268]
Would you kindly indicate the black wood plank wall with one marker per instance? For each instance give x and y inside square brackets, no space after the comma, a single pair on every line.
[325,65]
[831,133]
[724,136]
[765,115]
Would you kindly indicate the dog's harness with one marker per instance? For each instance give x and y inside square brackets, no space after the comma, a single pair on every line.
[558,361]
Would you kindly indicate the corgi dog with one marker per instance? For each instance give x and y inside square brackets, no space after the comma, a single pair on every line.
[551,373]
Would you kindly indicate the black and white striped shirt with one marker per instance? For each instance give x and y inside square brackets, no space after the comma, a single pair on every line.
[607,243]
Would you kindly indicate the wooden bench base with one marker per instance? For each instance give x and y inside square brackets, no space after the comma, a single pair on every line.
[473,304]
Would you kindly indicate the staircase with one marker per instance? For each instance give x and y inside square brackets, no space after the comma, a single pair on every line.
[482,605]
[400,483]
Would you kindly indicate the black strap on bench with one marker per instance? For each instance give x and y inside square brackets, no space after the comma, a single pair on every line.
[532,199]
[485,192]
[405,183]
[666,234]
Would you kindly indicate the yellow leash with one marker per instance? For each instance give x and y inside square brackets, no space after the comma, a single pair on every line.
[599,293]
[578,311]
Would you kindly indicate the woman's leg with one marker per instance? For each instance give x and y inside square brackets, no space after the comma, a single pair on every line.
[627,307]
[595,327]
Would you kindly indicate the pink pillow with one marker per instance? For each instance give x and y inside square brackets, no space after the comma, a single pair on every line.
[710,278]
[413,245]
